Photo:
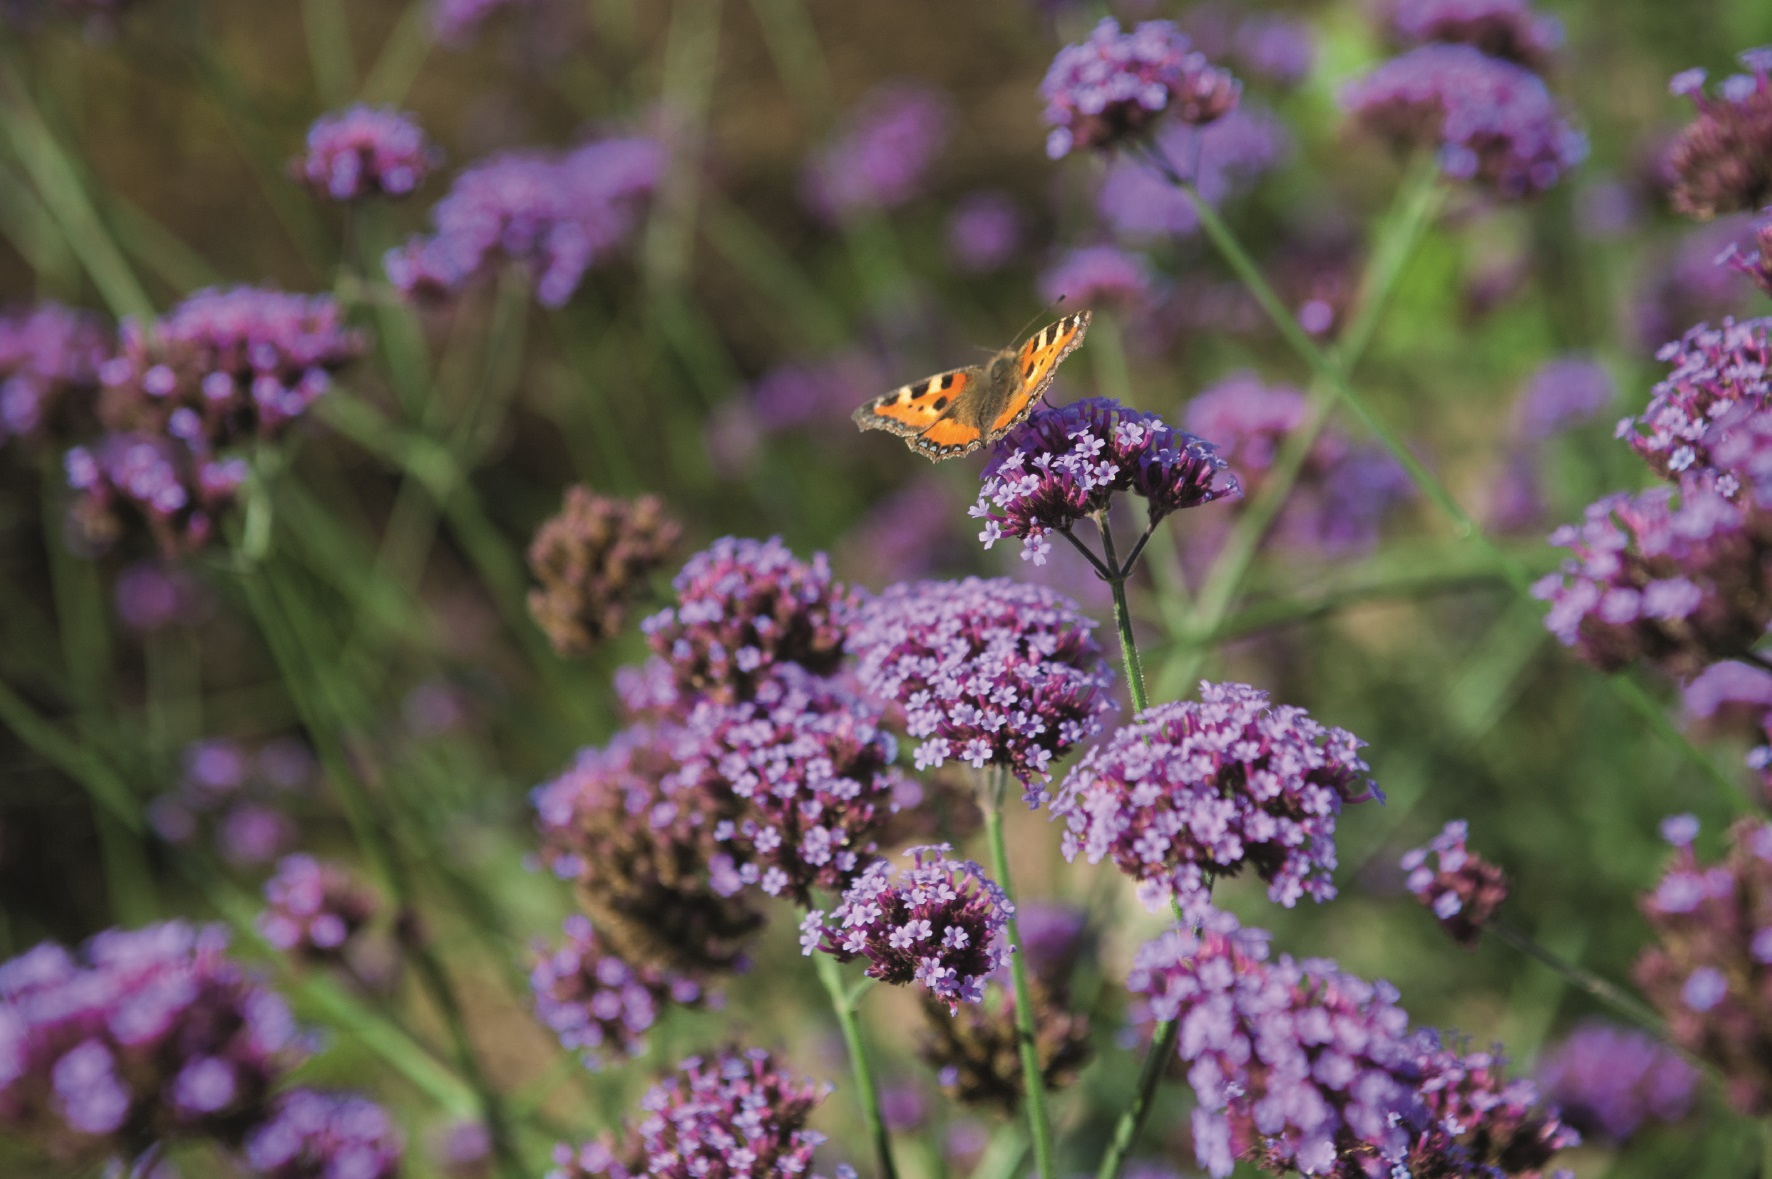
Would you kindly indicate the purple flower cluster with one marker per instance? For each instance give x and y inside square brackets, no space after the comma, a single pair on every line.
[148,1035]
[1461,888]
[1709,971]
[1343,491]
[880,161]
[153,596]
[238,796]
[1755,263]
[1728,697]
[1721,162]
[1492,121]
[1505,29]
[1112,87]
[1712,371]
[555,214]
[804,771]
[1613,1081]
[985,232]
[743,607]
[50,357]
[313,909]
[1559,394]
[176,492]
[989,672]
[1694,281]
[365,150]
[1300,1067]
[314,1135]
[597,1003]
[1190,791]
[593,558]
[938,923]
[1064,465]
[732,1116]
[1140,203]
[1270,47]
[1678,584]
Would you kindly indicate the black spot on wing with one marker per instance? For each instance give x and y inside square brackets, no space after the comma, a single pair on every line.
[941,402]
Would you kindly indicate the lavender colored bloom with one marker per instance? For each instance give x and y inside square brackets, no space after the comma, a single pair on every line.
[593,558]
[637,839]
[989,672]
[597,1004]
[1113,86]
[1713,371]
[1506,29]
[732,1116]
[1462,889]
[364,150]
[314,910]
[1064,465]
[1755,263]
[1481,1122]
[1190,791]
[1560,394]
[157,481]
[1729,697]
[1721,162]
[880,160]
[1681,586]
[1097,275]
[744,606]
[458,22]
[235,796]
[938,923]
[1269,47]
[1492,121]
[1221,159]
[152,596]
[49,365]
[985,232]
[805,775]
[148,1035]
[556,214]
[1611,1080]
[314,1135]
[1709,970]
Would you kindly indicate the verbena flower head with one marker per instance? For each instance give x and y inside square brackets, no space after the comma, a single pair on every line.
[1679,580]
[881,159]
[364,151]
[1697,280]
[1301,1067]
[1712,371]
[226,365]
[314,909]
[555,214]
[1221,159]
[1461,888]
[1064,465]
[638,841]
[238,797]
[938,923]
[1561,393]
[1709,971]
[1267,47]
[1112,87]
[1612,1081]
[1755,263]
[49,365]
[1190,791]
[1722,160]
[985,232]
[988,672]
[1728,698]
[600,1006]
[804,771]
[315,1135]
[1491,121]
[147,1035]
[744,606]
[123,480]
[593,558]
[734,1115]
[1098,276]
[1506,29]
[153,596]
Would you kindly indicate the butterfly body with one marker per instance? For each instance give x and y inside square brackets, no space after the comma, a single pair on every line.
[956,412]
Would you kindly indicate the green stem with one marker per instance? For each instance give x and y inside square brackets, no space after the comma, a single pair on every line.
[1032,1077]
[843,1003]
[1584,980]
[1122,617]
[1132,1120]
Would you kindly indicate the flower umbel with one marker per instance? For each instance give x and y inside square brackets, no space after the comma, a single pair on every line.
[366,150]
[1612,1081]
[1462,888]
[315,1134]
[598,1005]
[592,560]
[1113,86]
[1722,160]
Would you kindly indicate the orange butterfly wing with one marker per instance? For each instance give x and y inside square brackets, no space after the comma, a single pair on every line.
[1037,363]
[918,406]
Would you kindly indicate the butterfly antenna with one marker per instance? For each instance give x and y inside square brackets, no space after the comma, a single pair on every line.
[1037,317]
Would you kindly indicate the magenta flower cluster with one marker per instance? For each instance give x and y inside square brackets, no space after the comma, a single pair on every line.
[49,364]
[990,672]
[364,151]
[938,923]
[1505,29]
[238,796]
[1491,121]
[315,1135]
[314,909]
[147,1035]
[881,159]
[1113,86]
[598,1004]
[1613,1081]
[1193,790]
[1064,465]
[1462,889]
[1712,371]
[555,214]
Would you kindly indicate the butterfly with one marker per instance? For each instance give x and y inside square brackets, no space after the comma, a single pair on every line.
[955,413]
